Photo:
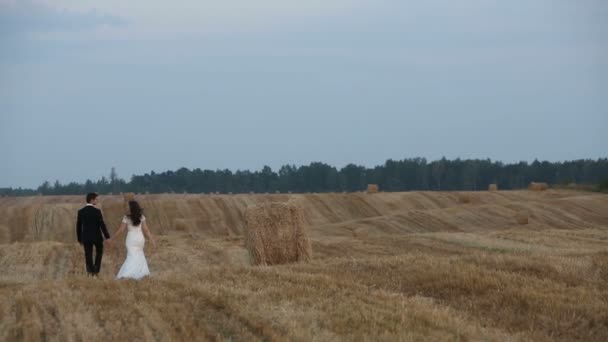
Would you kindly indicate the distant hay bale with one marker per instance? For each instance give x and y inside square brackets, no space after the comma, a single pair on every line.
[522,218]
[464,198]
[276,234]
[493,187]
[534,186]
[129,196]
[372,188]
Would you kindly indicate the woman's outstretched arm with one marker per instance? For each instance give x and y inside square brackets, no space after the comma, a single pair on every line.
[121,228]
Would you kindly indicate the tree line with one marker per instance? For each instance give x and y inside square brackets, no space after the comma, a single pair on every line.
[393,175]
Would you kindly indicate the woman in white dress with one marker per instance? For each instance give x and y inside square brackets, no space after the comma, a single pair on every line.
[135,266]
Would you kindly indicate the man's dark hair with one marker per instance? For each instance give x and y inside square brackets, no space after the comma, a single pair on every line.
[91,196]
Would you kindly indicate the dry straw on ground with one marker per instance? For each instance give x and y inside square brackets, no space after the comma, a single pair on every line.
[409,266]
[522,218]
[464,198]
[372,188]
[493,187]
[180,225]
[534,186]
[276,234]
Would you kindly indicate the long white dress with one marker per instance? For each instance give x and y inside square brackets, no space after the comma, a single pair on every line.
[135,266]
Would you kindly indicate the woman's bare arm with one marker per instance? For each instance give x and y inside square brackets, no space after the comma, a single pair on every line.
[148,233]
[122,227]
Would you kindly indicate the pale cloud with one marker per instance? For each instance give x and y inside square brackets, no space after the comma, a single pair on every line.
[195,18]
[28,17]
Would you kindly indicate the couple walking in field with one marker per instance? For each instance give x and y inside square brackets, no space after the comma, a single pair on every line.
[92,232]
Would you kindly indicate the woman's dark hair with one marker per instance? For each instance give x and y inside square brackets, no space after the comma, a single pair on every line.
[135,212]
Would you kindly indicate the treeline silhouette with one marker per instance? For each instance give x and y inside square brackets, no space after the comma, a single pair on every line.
[394,175]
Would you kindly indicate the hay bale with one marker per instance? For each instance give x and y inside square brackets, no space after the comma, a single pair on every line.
[522,218]
[276,234]
[129,196]
[464,198]
[372,188]
[493,187]
[534,186]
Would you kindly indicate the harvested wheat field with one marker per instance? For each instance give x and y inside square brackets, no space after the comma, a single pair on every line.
[388,267]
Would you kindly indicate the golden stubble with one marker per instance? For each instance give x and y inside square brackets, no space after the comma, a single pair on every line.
[388,267]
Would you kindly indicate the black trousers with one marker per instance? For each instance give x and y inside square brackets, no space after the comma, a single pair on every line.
[93,268]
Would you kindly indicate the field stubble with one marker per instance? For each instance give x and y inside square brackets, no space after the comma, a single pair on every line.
[387,266]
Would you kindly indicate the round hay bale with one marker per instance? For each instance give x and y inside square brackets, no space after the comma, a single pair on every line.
[535,186]
[372,188]
[493,187]
[276,234]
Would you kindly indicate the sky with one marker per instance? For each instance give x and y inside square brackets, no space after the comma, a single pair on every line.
[156,85]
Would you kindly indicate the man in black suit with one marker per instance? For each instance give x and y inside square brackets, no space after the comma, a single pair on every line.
[89,229]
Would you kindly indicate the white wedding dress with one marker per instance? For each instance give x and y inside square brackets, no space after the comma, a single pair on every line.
[135,266]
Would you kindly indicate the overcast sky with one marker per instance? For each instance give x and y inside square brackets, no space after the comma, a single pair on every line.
[238,84]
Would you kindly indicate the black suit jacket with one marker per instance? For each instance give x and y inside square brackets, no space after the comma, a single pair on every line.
[90,225]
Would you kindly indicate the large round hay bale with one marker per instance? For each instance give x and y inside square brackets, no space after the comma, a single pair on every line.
[276,234]
[522,218]
[535,186]
[372,188]
[493,187]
